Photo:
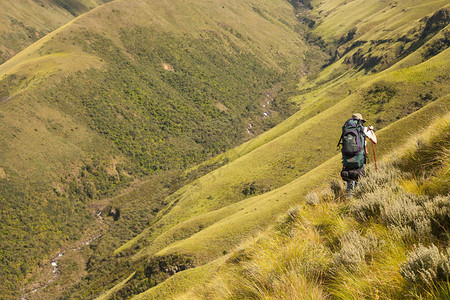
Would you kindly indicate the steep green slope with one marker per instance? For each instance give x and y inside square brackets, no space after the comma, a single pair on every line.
[127,90]
[249,215]
[24,22]
[378,244]
[211,235]
[209,217]
[422,33]
[380,34]
[288,156]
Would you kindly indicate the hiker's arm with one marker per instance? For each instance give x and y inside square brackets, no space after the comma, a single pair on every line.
[370,134]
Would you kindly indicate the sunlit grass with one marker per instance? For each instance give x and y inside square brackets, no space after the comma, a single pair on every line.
[262,178]
[319,251]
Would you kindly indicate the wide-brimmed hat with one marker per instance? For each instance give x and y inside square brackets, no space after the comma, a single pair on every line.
[358,116]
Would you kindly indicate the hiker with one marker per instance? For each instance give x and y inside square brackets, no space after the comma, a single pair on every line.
[354,151]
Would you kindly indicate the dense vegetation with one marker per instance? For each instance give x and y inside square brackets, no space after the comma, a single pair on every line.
[154,102]
[165,119]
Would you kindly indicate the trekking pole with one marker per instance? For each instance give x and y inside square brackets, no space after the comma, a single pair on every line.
[374,157]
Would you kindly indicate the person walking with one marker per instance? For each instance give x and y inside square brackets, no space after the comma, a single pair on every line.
[354,150]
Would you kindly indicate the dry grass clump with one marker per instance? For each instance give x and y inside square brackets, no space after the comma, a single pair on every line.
[426,265]
[338,188]
[312,198]
[334,192]
[288,221]
[293,214]
[283,268]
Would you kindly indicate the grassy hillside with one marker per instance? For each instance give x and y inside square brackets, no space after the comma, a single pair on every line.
[26,21]
[238,223]
[399,93]
[282,159]
[177,108]
[326,220]
[390,242]
[126,92]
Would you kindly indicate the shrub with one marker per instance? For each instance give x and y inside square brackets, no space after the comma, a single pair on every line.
[426,265]
[380,198]
[153,272]
[438,211]
[444,267]
[411,216]
[370,204]
[386,176]
[437,46]
[406,215]
[355,249]
[381,93]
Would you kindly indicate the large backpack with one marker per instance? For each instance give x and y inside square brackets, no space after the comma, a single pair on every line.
[353,145]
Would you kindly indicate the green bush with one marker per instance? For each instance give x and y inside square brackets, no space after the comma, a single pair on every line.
[379,95]
[437,46]
[155,271]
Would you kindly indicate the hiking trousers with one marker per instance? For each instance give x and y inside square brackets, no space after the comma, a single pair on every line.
[352,184]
